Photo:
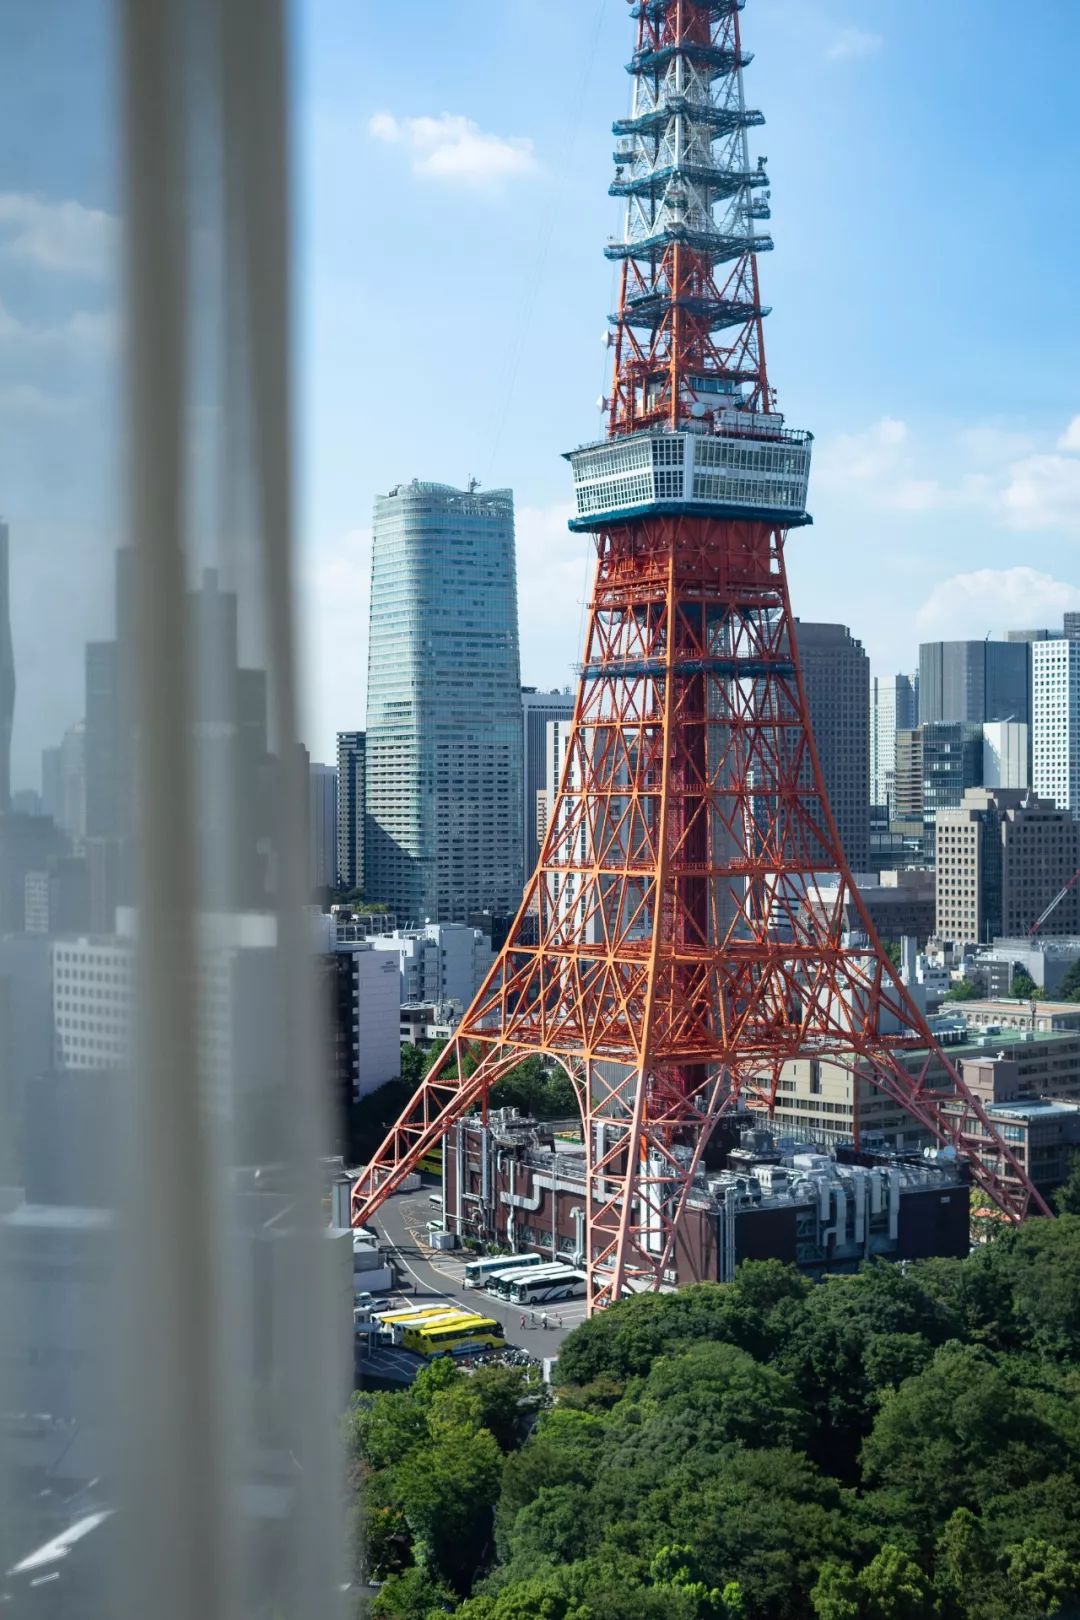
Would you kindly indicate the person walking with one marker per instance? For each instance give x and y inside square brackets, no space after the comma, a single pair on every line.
[543,1321]
[522,1322]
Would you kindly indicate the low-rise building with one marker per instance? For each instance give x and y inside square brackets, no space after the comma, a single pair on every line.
[826,1101]
[513,1182]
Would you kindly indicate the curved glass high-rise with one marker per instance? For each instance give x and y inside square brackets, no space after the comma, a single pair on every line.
[444,744]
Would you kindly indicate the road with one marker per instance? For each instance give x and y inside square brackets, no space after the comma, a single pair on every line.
[402,1226]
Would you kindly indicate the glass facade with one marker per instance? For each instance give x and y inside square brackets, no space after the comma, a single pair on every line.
[973,680]
[444,732]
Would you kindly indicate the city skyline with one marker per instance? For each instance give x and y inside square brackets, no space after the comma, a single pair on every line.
[946,483]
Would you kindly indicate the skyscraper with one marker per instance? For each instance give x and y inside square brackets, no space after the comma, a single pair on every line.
[837,675]
[974,680]
[538,708]
[893,708]
[322,825]
[350,809]
[444,732]
[935,766]
[1055,742]
[7,673]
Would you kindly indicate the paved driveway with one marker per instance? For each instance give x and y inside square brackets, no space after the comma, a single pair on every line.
[402,1224]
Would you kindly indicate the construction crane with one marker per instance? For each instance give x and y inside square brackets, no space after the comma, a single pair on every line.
[1052,907]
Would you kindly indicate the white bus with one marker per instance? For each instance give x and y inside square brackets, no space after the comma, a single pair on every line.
[503,1281]
[562,1283]
[478,1271]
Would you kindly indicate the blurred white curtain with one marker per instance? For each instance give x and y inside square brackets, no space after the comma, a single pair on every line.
[201,1474]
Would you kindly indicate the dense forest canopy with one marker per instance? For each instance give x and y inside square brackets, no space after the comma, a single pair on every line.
[894,1445]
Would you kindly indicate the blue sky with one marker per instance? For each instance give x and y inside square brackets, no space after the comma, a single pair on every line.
[452,167]
[923,160]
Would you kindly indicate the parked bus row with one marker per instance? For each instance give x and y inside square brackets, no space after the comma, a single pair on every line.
[446,1329]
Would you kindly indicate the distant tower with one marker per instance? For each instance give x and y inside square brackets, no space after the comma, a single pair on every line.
[351,776]
[538,710]
[837,675]
[444,731]
[893,708]
[7,672]
[672,952]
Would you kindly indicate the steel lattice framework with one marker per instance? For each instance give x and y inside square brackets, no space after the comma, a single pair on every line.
[674,948]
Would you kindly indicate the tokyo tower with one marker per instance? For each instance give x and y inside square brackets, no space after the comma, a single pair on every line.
[674,949]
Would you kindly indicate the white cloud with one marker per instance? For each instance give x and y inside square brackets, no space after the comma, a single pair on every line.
[26,399]
[554,575]
[85,333]
[1043,492]
[854,42]
[57,235]
[862,457]
[988,599]
[1070,439]
[455,149]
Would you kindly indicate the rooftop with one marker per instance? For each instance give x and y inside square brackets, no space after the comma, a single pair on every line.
[1030,1108]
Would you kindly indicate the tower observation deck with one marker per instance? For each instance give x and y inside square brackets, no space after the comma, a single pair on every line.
[691,419]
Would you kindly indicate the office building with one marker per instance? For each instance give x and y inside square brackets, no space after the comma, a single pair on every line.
[322,826]
[935,765]
[1002,857]
[350,810]
[836,672]
[900,903]
[1055,750]
[1006,754]
[556,741]
[229,743]
[1071,626]
[893,707]
[7,672]
[239,1033]
[538,709]
[27,844]
[973,681]
[444,731]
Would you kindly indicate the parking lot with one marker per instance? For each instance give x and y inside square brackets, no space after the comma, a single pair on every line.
[431,1275]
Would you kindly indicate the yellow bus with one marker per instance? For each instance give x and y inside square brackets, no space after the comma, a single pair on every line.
[443,1338]
[432,1161]
[402,1313]
[393,1323]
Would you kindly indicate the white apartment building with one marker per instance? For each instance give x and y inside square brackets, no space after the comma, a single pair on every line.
[376,1009]
[438,963]
[1055,680]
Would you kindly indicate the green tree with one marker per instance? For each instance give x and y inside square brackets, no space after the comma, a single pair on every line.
[893,1587]
[956,1431]
[1067,1197]
[413,1595]
[1044,1578]
[555,1527]
[1069,988]
[447,1493]
[1023,986]
[835,1595]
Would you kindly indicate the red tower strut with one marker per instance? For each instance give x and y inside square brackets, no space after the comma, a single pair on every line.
[675,947]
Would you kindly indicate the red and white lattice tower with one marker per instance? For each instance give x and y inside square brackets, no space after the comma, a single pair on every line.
[674,949]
